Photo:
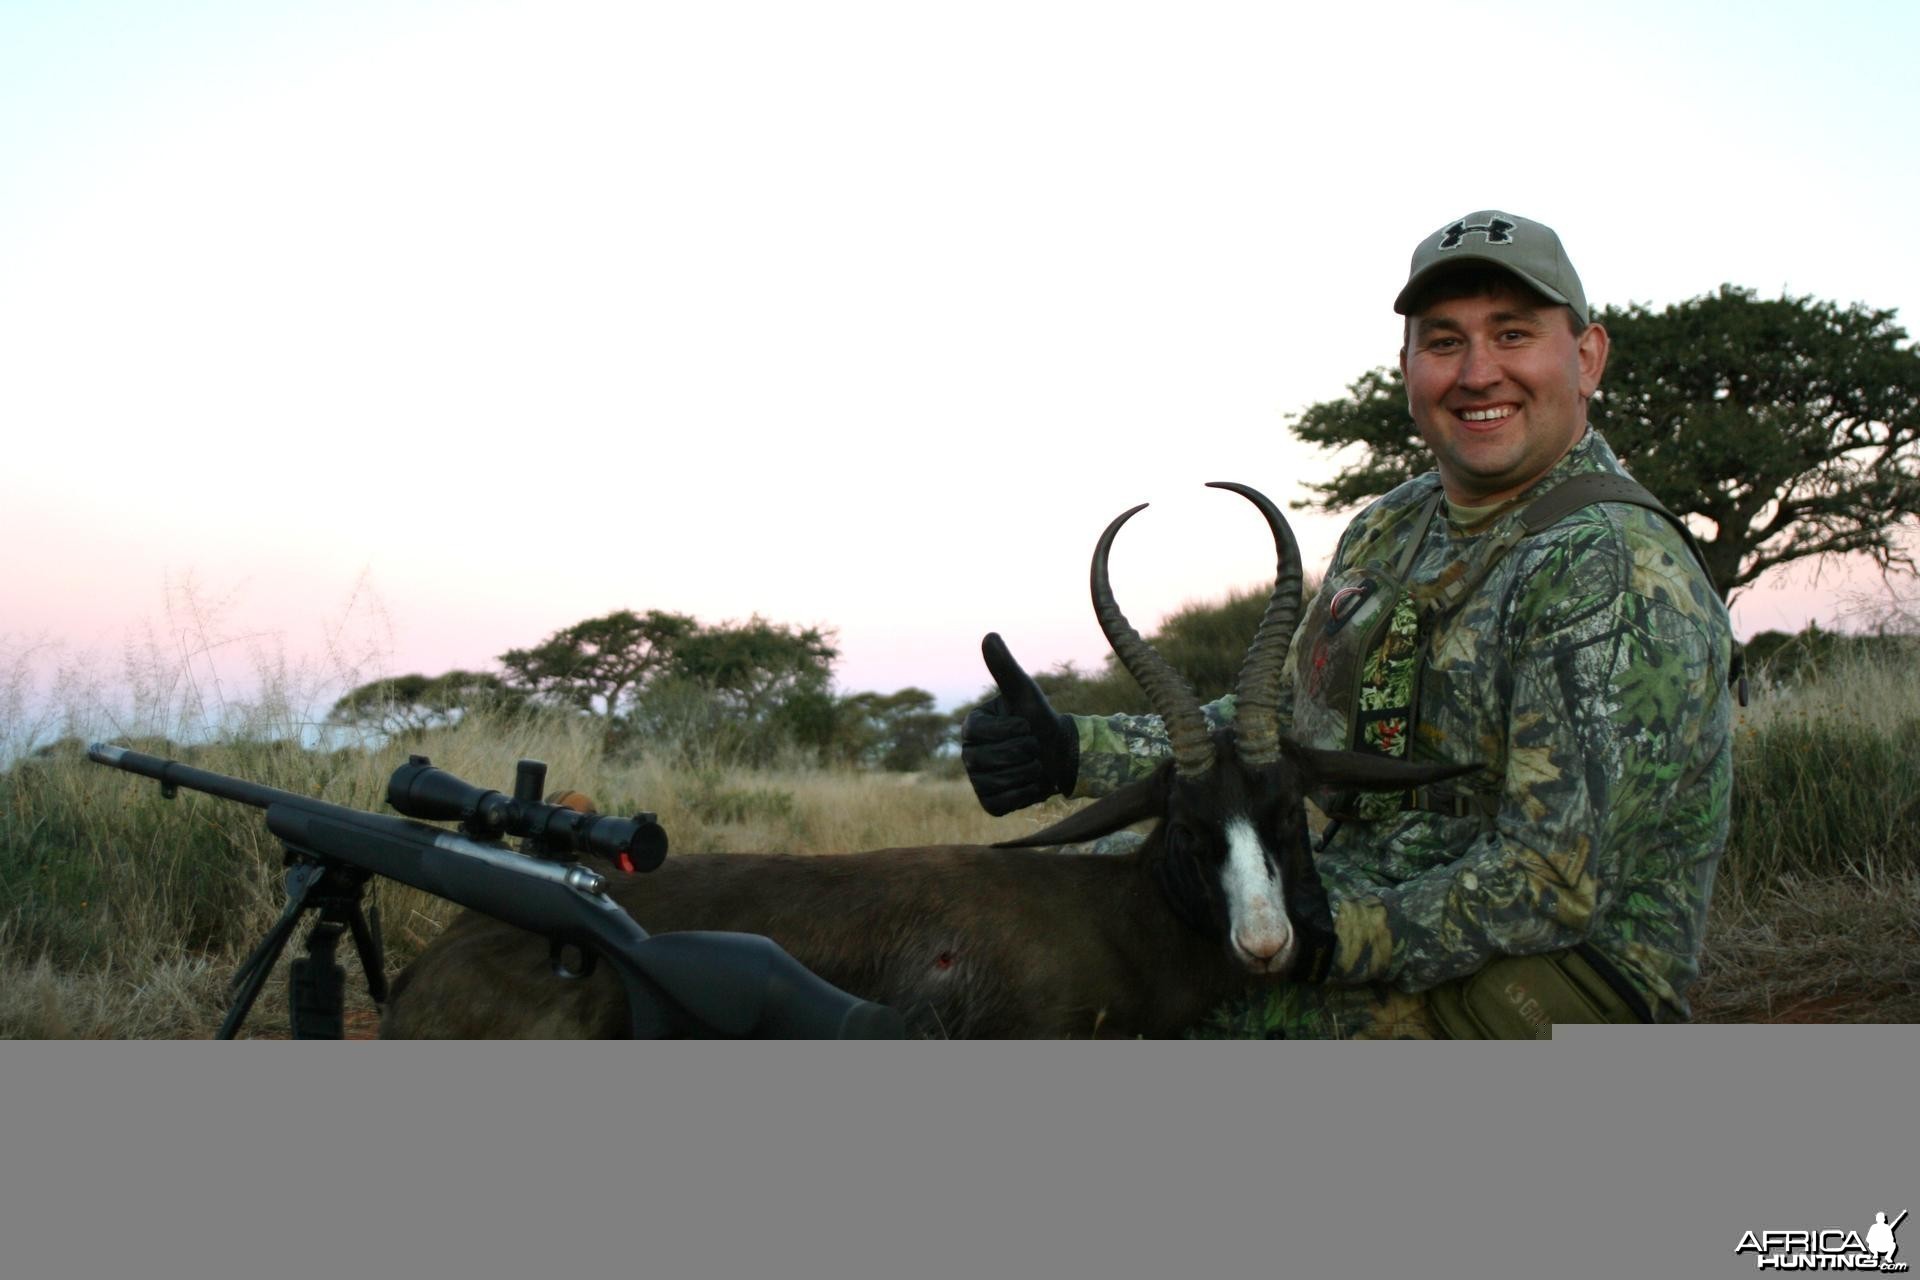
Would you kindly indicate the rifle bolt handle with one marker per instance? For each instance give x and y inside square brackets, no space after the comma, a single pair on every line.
[586,881]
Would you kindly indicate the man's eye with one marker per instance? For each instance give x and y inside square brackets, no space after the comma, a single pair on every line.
[1443,344]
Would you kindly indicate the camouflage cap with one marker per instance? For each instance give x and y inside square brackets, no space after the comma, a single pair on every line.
[1519,245]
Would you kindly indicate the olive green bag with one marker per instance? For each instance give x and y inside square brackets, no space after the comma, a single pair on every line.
[1525,997]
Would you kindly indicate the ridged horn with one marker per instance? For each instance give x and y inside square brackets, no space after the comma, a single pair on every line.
[1257,690]
[1172,697]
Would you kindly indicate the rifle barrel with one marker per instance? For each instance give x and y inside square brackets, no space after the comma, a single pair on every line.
[171,773]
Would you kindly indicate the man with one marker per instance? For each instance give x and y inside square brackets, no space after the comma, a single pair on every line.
[1575,649]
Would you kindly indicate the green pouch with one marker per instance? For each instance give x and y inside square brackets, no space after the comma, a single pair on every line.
[1523,997]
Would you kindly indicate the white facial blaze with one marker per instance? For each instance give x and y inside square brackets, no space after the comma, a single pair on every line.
[1256,915]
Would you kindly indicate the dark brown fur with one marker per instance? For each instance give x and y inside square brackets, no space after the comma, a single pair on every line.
[965,941]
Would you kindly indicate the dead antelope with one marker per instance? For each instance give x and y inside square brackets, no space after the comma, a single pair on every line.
[1003,941]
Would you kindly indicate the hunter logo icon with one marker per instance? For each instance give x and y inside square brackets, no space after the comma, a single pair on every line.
[1880,1236]
[1497,231]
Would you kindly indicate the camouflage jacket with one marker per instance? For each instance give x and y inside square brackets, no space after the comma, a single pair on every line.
[1587,673]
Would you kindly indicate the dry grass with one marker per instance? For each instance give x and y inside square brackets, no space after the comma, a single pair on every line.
[125,998]
[1832,949]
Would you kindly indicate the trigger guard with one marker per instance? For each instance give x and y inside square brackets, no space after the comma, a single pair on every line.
[557,958]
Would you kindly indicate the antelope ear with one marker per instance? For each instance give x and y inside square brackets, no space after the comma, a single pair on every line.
[1146,798]
[1365,771]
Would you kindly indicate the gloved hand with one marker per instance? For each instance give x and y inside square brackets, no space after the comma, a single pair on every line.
[1017,750]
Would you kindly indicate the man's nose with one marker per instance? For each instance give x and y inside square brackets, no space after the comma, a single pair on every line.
[1481,368]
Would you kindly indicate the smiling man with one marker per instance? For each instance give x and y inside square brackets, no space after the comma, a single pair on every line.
[1526,606]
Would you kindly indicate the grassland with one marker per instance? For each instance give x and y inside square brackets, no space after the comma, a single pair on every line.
[124,915]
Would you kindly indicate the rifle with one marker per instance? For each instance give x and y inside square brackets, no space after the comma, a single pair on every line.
[732,985]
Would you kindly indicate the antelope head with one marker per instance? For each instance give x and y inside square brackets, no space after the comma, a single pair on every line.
[1231,853]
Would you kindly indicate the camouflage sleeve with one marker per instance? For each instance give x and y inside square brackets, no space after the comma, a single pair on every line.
[1618,713]
[1117,749]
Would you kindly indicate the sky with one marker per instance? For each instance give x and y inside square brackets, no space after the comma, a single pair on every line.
[389,336]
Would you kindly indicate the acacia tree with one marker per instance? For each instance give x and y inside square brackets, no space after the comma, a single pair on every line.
[898,731]
[741,691]
[753,666]
[416,703]
[600,665]
[1791,424]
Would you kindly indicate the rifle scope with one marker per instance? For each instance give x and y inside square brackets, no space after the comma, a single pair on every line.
[419,789]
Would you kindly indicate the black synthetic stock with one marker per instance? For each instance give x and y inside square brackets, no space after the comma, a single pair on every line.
[745,986]
[727,985]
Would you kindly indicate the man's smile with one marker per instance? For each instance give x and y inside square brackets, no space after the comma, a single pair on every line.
[1487,417]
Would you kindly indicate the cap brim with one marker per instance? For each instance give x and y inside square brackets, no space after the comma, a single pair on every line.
[1439,269]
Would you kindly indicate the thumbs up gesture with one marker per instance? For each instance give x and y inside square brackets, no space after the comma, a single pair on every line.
[1017,750]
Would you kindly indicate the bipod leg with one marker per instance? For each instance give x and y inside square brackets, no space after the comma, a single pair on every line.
[371,949]
[253,971]
[316,985]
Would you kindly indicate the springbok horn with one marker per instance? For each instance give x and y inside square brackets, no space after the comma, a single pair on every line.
[1172,697]
[1257,691]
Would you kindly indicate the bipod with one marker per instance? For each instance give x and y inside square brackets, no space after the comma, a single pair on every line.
[315,984]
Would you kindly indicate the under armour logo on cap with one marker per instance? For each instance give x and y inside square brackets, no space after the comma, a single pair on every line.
[1497,231]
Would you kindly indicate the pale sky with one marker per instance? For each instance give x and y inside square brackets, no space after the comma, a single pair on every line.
[499,316]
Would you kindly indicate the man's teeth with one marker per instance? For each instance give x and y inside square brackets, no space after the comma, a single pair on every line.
[1485,415]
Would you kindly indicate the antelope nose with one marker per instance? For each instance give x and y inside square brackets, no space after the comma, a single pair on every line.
[1265,951]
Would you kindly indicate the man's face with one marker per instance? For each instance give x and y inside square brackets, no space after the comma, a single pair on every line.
[1498,387]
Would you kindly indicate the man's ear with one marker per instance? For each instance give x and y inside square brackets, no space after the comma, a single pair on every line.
[1594,345]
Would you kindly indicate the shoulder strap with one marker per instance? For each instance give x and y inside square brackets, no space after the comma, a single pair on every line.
[1584,490]
[1422,519]
[1590,487]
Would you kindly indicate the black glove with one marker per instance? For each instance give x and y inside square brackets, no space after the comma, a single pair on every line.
[1016,748]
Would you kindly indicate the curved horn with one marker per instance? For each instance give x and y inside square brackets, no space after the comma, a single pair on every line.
[1257,690]
[1172,697]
